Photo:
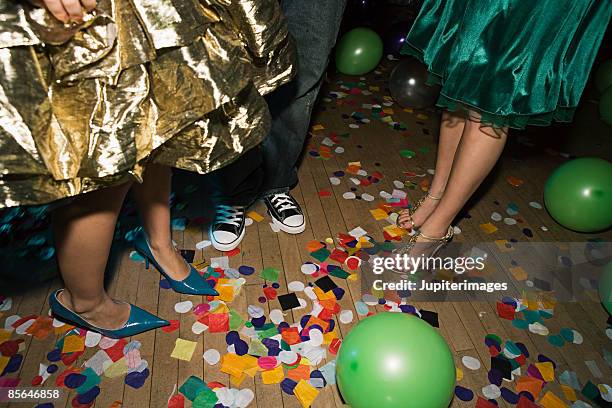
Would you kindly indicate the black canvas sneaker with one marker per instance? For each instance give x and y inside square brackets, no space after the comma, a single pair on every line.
[227,229]
[285,212]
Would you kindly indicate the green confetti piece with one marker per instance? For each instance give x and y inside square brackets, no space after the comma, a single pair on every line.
[205,399]
[590,390]
[192,387]
[92,380]
[266,331]
[567,334]
[270,274]
[520,324]
[494,337]
[321,254]
[407,153]
[424,150]
[235,320]
[532,316]
[338,273]
[256,348]
[556,340]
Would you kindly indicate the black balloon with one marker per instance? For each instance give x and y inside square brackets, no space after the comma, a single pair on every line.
[407,85]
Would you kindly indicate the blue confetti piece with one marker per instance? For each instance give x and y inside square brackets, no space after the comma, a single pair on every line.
[246,270]
[136,257]
[509,396]
[89,396]
[54,355]
[179,224]
[74,380]
[136,379]
[47,253]
[464,394]
[288,385]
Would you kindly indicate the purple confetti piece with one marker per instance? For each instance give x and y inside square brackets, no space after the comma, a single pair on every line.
[288,385]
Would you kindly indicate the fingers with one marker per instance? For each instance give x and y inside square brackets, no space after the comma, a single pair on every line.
[89,5]
[74,9]
[56,8]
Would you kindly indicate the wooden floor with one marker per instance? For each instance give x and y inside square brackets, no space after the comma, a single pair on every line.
[464,324]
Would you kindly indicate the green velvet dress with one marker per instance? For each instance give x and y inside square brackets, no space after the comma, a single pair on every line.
[512,62]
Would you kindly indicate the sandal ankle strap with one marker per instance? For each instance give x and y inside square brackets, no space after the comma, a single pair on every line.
[445,238]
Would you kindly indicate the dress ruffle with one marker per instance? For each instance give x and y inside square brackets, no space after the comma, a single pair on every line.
[169,81]
[512,63]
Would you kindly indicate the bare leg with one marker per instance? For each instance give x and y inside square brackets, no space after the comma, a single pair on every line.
[83,232]
[152,198]
[451,129]
[478,151]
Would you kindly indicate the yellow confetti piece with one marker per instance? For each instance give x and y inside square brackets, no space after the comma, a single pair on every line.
[305,393]
[4,335]
[458,373]
[117,369]
[422,116]
[3,362]
[251,371]
[317,127]
[550,400]
[183,349]
[226,292]
[273,376]
[409,110]
[388,111]
[568,392]
[547,370]
[374,88]
[488,228]
[255,216]
[378,214]
[395,231]
[503,246]
[236,380]
[519,273]
[73,343]
[329,240]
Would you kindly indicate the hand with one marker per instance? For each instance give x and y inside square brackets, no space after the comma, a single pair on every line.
[69,10]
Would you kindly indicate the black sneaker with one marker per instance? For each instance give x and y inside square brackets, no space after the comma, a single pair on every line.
[285,212]
[227,229]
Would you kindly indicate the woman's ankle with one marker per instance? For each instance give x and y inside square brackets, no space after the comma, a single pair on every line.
[82,305]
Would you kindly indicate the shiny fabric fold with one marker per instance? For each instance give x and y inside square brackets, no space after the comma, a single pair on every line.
[514,63]
[176,82]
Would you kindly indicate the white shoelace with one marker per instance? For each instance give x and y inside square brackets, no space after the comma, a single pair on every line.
[227,214]
[283,202]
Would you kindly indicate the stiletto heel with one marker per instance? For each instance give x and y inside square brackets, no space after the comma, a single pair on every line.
[193,284]
[139,321]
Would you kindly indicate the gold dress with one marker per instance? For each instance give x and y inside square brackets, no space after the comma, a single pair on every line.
[174,82]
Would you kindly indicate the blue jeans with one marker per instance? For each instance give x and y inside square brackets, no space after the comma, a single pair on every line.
[272,167]
[314,25]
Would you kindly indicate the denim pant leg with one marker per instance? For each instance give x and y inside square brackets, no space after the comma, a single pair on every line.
[314,25]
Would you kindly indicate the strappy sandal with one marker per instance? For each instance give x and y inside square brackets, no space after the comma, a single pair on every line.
[412,241]
[413,209]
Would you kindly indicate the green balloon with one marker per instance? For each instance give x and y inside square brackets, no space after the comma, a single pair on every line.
[395,360]
[578,194]
[605,106]
[359,51]
[605,288]
[603,76]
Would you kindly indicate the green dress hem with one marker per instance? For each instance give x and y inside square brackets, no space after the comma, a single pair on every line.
[516,121]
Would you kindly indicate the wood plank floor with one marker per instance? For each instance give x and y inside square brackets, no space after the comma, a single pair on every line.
[373,143]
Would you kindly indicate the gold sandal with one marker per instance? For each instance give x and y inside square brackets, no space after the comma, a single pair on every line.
[413,209]
[441,242]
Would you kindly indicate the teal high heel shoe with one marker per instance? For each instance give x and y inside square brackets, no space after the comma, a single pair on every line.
[139,321]
[193,284]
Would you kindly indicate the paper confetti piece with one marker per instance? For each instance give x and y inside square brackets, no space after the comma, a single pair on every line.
[183,307]
[255,216]
[183,349]
[212,356]
[305,393]
[471,362]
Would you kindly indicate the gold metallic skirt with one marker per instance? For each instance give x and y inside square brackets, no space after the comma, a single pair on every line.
[174,82]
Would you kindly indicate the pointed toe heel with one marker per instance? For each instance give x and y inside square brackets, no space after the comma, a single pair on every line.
[193,284]
[139,321]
